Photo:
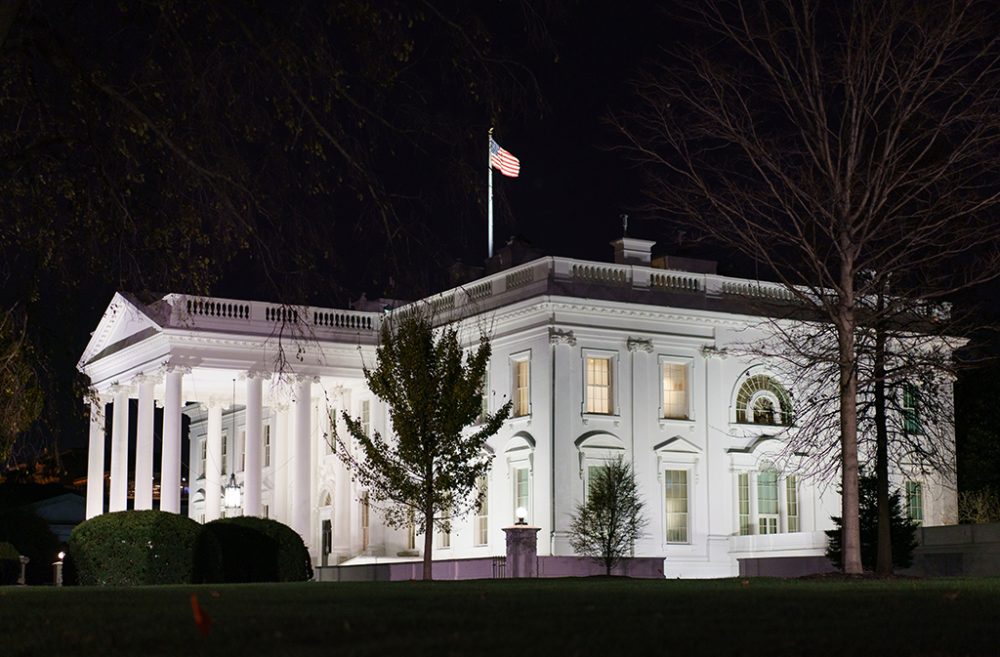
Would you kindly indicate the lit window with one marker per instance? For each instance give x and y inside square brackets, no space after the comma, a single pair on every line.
[483,511]
[762,400]
[675,391]
[915,501]
[521,490]
[599,385]
[522,387]
[743,484]
[792,502]
[676,485]
[366,418]
[267,446]
[911,410]
[767,502]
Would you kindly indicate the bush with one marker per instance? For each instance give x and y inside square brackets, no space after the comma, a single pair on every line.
[30,535]
[901,529]
[246,549]
[130,548]
[10,564]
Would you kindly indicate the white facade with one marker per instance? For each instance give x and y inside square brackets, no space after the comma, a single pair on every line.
[602,360]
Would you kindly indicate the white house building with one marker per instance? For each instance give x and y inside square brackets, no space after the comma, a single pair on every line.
[601,360]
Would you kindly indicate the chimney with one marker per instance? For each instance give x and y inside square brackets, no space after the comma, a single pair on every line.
[632,251]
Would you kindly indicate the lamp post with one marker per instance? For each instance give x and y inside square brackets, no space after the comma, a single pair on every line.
[232,495]
[57,569]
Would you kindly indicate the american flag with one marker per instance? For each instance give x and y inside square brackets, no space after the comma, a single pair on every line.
[503,161]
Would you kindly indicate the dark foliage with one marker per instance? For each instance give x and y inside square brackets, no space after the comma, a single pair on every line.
[246,549]
[10,563]
[903,530]
[130,548]
[31,536]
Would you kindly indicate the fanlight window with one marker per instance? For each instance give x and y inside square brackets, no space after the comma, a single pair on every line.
[762,400]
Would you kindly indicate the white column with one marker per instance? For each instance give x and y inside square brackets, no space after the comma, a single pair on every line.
[95,460]
[119,451]
[144,446]
[343,500]
[253,447]
[279,494]
[301,464]
[170,463]
[213,463]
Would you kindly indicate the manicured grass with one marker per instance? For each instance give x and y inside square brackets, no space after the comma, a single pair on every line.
[606,617]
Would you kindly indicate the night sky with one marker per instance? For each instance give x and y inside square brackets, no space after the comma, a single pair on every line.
[252,199]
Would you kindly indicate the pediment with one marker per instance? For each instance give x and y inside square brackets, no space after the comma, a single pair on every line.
[125,320]
[763,440]
[677,444]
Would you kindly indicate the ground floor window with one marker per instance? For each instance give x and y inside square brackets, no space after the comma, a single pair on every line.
[767,502]
[522,485]
[676,489]
[915,501]
[483,512]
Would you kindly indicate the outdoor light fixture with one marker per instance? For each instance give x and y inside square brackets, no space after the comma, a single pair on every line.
[233,495]
[62,556]
[521,514]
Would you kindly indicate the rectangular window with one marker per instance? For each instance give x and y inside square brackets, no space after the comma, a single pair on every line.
[767,502]
[521,490]
[915,501]
[911,409]
[483,511]
[225,452]
[264,510]
[522,388]
[267,446]
[599,385]
[792,499]
[675,391]
[411,533]
[484,403]
[444,536]
[366,418]
[327,532]
[365,509]
[204,455]
[676,484]
[243,451]
[592,471]
[743,485]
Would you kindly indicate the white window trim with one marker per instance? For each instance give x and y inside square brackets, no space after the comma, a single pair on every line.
[517,459]
[513,360]
[677,460]
[782,482]
[614,372]
[688,362]
[690,477]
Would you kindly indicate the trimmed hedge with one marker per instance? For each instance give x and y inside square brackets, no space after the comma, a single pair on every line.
[247,549]
[10,564]
[128,548]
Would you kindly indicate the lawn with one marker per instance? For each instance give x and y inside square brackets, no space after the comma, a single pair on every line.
[559,618]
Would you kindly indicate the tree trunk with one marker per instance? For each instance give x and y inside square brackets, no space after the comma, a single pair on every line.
[883,563]
[428,542]
[851,529]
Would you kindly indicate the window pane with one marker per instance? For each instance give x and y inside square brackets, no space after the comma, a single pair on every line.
[483,511]
[592,471]
[911,410]
[521,490]
[522,388]
[743,484]
[675,482]
[792,496]
[915,501]
[598,372]
[675,391]
[767,492]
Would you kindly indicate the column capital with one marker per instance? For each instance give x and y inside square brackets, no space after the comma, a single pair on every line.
[264,375]
[117,388]
[307,378]
[714,352]
[639,344]
[561,336]
[173,368]
[142,377]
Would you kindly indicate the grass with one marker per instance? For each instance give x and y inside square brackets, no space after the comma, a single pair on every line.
[559,618]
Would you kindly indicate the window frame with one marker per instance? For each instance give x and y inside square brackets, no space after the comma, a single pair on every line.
[775,393]
[687,474]
[612,386]
[663,360]
[515,361]
[915,489]
[481,530]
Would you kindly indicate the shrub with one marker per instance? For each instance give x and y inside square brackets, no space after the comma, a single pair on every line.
[30,535]
[10,564]
[129,548]
[902,530]
[246,549]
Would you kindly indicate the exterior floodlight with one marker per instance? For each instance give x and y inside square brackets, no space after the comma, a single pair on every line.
[62,555]
[233,495]
[521,514]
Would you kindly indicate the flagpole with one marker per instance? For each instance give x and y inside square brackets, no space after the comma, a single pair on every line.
[489,205]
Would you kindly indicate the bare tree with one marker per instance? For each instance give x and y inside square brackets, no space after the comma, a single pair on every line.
[20,395]
[829,139]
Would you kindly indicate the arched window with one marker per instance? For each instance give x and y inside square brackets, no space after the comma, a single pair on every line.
[762,400]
